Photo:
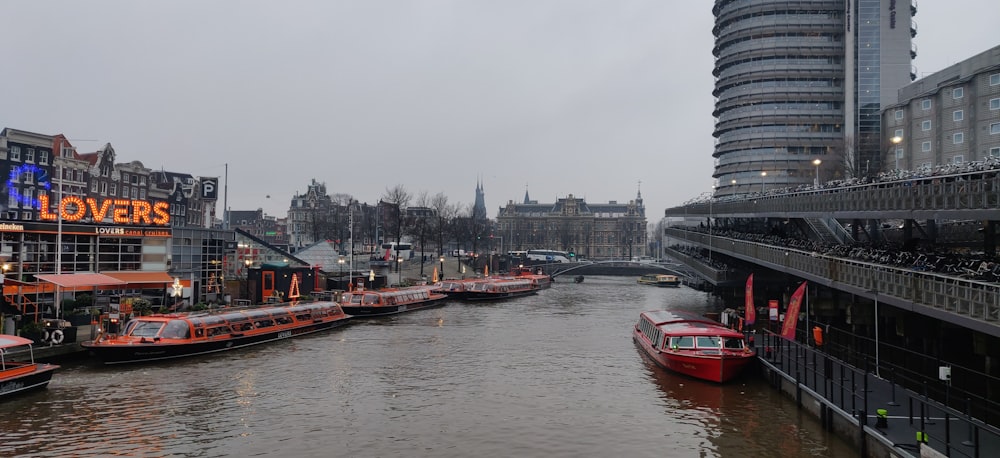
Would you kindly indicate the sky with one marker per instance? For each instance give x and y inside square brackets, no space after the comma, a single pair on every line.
[598,99]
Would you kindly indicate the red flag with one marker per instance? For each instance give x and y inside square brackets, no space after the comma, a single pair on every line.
[388,254]
[792,314]
[750,313]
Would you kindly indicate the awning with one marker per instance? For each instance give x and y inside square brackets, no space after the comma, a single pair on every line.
[133,277]
[80,279]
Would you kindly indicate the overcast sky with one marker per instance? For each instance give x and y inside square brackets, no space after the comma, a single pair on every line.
[558,97]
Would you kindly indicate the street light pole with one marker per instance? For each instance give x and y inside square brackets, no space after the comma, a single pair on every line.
[441,261]
[763,175]
[817,162]
[246,276]
[340,261]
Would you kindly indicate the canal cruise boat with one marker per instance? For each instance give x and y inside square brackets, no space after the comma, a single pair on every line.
[167,336]
[21,376]
[670,281]
[494,289]
[392,300]
[539,279]
[692,345]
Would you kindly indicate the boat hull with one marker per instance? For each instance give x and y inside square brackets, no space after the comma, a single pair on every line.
[117,353]
[383,310]
[34,380]
[718,368]
[484,296]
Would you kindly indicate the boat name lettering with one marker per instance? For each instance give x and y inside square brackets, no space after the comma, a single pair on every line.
[284,334]
[11,386]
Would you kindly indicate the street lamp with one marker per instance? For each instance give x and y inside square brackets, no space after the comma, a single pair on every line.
[399,270]
[441,261]
[246,275]
[340,261]
[763,175]
[817,162]
[895,140]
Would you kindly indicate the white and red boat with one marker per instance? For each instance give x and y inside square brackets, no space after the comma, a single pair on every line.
[176,335]
[692,345]
[494,289]
[21,376]
[539,279]
[391,301]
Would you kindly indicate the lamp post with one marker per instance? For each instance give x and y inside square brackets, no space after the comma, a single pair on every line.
[340,261]
[246,276]
[895,141]
[763,175]
[817,162]
[399,270]
[711,213]
[441,261]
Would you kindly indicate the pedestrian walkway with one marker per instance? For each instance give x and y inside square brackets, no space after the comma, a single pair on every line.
[897,417]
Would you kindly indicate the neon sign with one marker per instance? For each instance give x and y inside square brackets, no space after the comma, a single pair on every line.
[122,211]
[14,181]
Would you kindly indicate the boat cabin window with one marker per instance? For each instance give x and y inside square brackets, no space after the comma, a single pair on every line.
[218,331]
[733,343]
[682,342]
[371,299]
[708,342]
[282,318]
[241,325]
[176,329]
[146,328]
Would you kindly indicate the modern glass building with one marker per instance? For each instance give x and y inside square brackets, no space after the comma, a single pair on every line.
[800,86]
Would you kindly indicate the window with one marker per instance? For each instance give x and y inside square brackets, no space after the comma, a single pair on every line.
[114,189]
[93,185]
[899,114]
[898,133]
[926,125]
[142,194]
[925,104]
[142,181]
[135,193]
[995,128]
[995,104]
[958,115]
[43,156]
[958,138]
[135,179]
[104,188]
[994,79]
[995,152]
[124,191]
[15,153]
[29,155]
[958,159]
[957,93]
[925,147]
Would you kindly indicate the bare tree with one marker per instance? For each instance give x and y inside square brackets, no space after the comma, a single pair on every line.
[399,198]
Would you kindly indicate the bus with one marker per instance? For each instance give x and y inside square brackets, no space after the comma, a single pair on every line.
[548,256]
[389,250]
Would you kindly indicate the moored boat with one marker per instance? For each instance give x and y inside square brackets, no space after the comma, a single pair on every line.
[168,336]
[495,289]
[539,279]
[692,345]
[21,376]
[457,288]
[671,281]
[391,301]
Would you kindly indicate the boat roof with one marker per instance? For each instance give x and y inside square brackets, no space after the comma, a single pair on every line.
[8,341]
[673,322]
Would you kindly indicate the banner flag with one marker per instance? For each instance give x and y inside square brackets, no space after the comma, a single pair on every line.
[750,312]
[792,314]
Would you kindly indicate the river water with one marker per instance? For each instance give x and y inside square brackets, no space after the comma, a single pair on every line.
[552,375]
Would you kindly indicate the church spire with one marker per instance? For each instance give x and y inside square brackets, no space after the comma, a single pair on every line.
[526,199]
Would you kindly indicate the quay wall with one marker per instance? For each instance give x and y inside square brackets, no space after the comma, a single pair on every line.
[832,418]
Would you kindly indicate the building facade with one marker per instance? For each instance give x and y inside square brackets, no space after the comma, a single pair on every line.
[949,117]
[593,231]
[800,86]
[309,216]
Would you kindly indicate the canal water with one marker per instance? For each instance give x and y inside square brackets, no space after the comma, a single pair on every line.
[552,375]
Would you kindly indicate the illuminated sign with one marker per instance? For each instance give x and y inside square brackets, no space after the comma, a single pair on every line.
[122,211]
[41,176]
[10,227]
[118,231]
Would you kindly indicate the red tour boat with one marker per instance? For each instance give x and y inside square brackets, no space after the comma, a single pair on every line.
[21,376]
[692,345]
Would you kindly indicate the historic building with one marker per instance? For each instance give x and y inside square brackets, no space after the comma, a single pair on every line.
[593,231]
[308,216]
[800,87]
[64,212]
[949,117]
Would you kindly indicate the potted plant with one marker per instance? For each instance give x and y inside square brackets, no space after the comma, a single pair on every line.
[33,330]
